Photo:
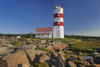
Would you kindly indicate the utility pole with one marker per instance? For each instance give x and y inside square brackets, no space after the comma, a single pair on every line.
[31,34]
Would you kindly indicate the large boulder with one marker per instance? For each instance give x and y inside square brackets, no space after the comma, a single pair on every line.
[71,64]
[43,41]
[24,65]
[59,45]
[14,60]
[80,65]
[43,57]
[3,64]
[59,62]
[62,57]
[53,55]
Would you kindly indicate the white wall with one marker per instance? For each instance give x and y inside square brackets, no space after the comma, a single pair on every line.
[56,30]
[43,36]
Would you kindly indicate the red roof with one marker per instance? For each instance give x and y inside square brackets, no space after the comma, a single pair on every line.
[44,29]
[43,33]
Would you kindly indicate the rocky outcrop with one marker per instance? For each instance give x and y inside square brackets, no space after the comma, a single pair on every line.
[15,59]
[59,45]
[53,55]
[80,65]
[43,57]
[59,62]
[71,64]
[27,56]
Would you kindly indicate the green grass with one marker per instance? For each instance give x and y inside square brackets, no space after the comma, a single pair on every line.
[41,64]
[78,62]
[67,56]
[85,46]
[17,43]
[44,49]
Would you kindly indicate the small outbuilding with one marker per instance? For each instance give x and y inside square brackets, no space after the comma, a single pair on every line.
[44,32]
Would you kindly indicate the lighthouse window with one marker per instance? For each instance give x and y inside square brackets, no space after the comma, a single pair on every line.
[58,18]
[59,10]
[58,22]
[58,14]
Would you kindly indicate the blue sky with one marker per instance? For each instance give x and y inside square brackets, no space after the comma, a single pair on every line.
[81,17]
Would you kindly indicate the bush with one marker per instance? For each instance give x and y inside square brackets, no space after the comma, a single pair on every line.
[78,62]
[41,64]
[17,43]
[80,58]
[67,56]
[29,42]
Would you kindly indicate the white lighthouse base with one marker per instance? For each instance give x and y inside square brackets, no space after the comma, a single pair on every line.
[58,32]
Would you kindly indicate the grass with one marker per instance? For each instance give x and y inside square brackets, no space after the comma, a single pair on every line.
[87,47]
[17,43]
[67,56]
[44,49]
[41,64]
[78,62]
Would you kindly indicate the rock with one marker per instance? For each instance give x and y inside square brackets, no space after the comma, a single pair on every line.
[80,53]
[53,65]
[63,58]
[48,54]
[3,64]
[43,41]
[43,57]
[41,46]
[97,60]
[59,45]
[72,58]
[24,65]
[3,49]
[61,52]
[52,61]
[19,57]
[87,63]
[59,62]
[50,47]
[53,55]
[13,60]
[71,64]
[80,65]
[91,62]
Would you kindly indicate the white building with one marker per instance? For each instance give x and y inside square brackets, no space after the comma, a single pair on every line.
[58,26]
[43,33]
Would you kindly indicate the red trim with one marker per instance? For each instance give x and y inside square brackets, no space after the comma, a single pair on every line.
[57,15]
[57,24]
[43,33]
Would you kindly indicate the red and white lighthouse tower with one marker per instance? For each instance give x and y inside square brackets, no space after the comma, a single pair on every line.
[58,25]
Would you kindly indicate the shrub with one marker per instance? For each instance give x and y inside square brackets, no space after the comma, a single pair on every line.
[17,43]
[67,56]
[27,42]
[78,62]
[41,64]
[80,58]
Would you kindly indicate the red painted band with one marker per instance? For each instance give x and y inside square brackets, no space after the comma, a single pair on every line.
[58,15]
[58,24]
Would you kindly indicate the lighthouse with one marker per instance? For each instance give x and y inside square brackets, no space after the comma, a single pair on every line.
[58,25]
